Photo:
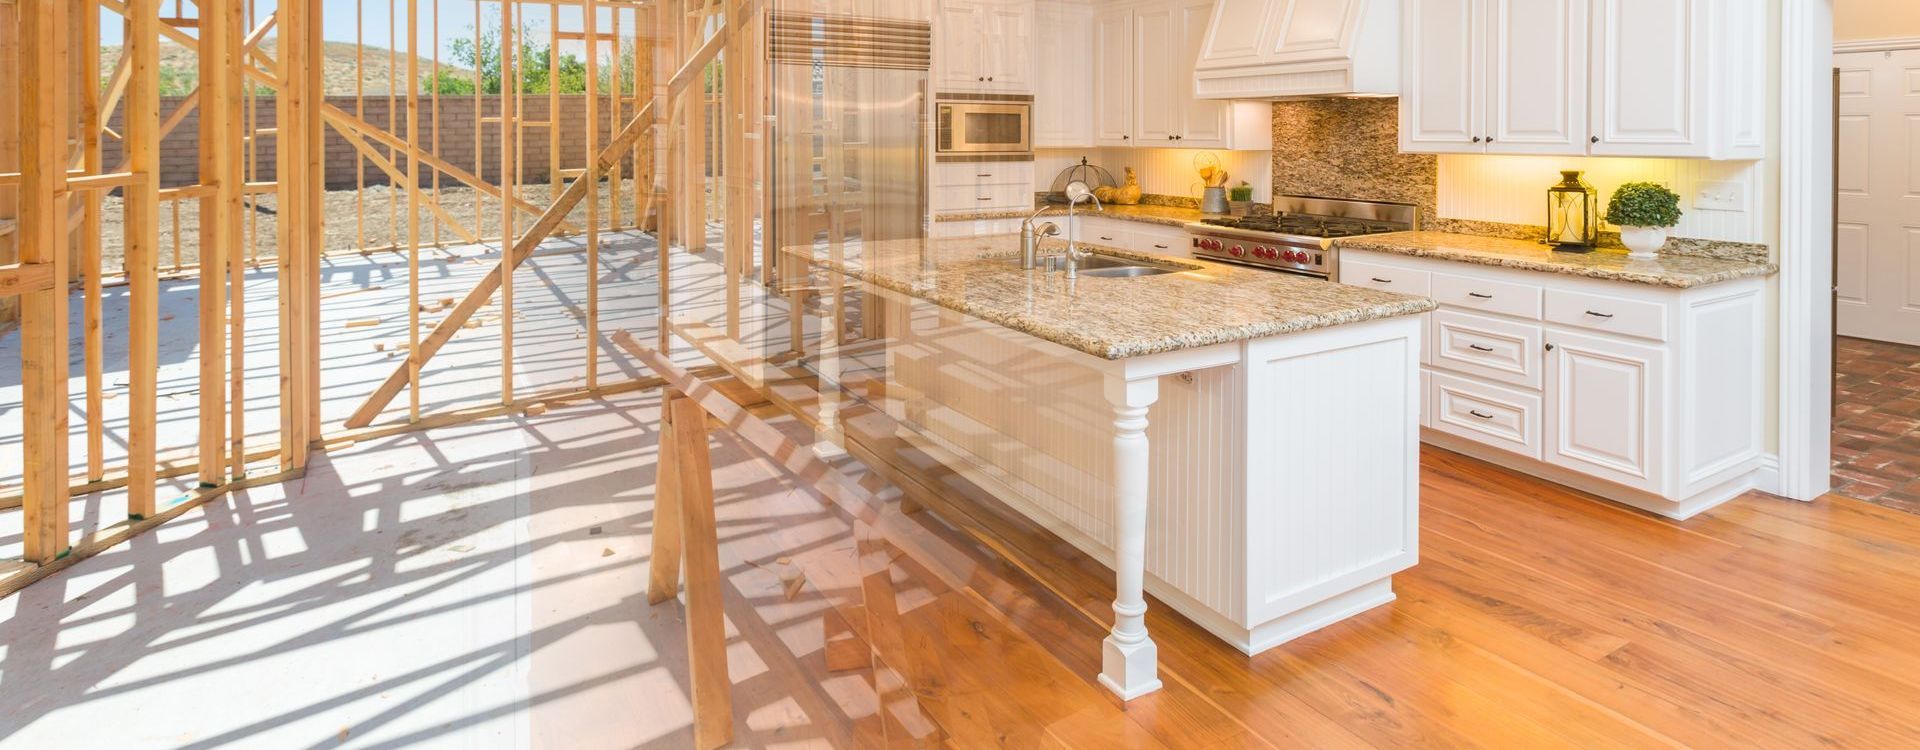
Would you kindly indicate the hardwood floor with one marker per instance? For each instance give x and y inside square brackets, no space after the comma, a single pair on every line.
[1876,423]
[1537,617]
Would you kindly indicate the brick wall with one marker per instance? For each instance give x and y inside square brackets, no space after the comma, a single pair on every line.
[180,152]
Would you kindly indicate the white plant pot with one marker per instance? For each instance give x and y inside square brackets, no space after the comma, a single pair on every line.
[1645,242]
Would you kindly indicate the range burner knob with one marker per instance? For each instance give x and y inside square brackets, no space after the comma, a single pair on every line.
[1237,251]
[1293,257]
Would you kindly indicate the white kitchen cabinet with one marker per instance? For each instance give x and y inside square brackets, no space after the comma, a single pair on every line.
[1675,78]
[1063,74]
[1494,76]
[984,46]
[1138,236]
[967,187]
[1606,411]
[1143,82]
[1646,395]
[1112,73]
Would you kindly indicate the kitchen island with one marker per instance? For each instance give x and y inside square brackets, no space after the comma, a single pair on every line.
[1243,444]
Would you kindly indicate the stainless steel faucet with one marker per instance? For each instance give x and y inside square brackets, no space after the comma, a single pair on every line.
[1077,193]
[1030,237]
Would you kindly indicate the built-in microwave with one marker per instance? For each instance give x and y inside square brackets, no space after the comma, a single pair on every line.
[983,125]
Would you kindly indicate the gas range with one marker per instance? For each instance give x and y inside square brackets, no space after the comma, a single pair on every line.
[1298,237]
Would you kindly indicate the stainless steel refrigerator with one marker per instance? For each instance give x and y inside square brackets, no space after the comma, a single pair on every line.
[849,134]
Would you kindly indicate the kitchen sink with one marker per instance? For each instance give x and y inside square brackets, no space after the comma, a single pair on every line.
[1110,266]
[1126,272]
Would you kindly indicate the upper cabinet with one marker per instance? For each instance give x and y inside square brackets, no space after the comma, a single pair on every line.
[1063,97]
[984,46]
[1675,78]
[1143,82]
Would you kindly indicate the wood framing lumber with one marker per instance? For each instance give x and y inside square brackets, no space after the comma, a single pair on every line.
[24,278]
[142,219]
[342,121]
[521,250]
[700,549]
[43,238]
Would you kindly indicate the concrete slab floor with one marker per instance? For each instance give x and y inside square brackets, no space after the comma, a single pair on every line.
[481,585]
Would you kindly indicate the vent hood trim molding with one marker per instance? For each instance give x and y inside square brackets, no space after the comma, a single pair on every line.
[1303,48]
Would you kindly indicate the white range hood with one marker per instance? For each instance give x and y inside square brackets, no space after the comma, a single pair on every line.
[1283,49]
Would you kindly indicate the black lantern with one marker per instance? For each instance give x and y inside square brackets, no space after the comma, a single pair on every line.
[1573,214]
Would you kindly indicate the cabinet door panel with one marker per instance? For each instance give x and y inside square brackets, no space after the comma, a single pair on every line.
[1537,76]
[1649,93]
[1442,108]
[1156,101]
[1063,76]
[1605,414]
[1113,78]
[960,46]
[1009,64]
[1205,123]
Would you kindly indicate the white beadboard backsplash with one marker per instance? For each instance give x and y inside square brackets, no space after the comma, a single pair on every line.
[1513,189]
[1162,171]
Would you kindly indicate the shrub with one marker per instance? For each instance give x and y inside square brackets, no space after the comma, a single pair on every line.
[1643,204]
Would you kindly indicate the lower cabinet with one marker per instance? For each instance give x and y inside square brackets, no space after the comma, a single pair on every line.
[1645,395]
[1607,409]
[1138,236]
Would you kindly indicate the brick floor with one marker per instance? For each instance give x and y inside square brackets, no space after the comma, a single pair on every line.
[1876,430]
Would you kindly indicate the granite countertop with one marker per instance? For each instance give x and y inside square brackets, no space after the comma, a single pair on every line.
[1171,216]
[1678,271]
[1114,318]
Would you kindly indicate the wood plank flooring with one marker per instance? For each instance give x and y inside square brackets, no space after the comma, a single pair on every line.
[1537,617]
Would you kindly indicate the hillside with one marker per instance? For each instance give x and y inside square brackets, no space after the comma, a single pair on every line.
[178,68]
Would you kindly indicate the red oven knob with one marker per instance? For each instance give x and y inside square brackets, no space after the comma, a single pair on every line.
[1293,257]
[1237,251]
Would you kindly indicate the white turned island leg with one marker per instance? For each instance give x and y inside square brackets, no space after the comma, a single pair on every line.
[1129,660]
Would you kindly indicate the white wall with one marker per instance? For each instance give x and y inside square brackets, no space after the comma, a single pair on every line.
[1513,189]
[1162,171]
[1875,19]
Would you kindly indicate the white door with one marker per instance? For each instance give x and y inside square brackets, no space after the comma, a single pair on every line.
[1878,282]
[1063,76]
[1604,408]
[960,46]
[1010,43]
[1649,93]
[1442,109]
[1204,123]
[1537,76]
[1155,68]
[1113,78]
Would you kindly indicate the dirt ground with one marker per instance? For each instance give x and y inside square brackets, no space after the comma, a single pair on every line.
[371,218]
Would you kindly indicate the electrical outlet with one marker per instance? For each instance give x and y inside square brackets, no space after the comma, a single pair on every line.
[1726,195]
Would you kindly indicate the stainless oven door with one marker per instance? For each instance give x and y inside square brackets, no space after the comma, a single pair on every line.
[981,128]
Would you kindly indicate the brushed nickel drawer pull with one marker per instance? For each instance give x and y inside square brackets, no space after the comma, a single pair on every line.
[1481,296]
[1480,414]
[1599,314]
[1479,348]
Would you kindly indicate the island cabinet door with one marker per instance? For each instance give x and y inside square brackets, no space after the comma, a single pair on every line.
[1605,414]
[1332,472]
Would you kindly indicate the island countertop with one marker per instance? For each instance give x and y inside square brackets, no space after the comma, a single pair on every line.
[1678,271]
[1113,318]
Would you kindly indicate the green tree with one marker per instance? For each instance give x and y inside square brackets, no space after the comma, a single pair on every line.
[534,65]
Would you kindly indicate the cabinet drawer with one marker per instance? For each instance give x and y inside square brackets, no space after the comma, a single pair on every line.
[1491,348]
[1389,278]
[982,197]
[1112,232]
[1487,295]
[1501,417]
[968,173]
[1600,312]
[1160,240]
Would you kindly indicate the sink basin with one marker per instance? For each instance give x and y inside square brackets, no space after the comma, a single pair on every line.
[1110,266]
[1124,272]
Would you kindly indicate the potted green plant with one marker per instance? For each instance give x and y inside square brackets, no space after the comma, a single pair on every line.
[1241,196]
[1643,211]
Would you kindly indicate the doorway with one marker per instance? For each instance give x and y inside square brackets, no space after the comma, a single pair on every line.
[1876,421]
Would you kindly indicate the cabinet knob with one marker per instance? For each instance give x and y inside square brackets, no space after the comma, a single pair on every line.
[989,78]
[1476,139]
[1594,139]
[1549,347]
[1125,137]
[1489,139]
